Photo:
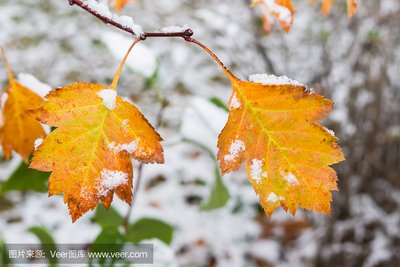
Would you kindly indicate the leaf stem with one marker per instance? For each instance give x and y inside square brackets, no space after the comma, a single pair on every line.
[211,53]
[186,35]
[8,67]
[121,65]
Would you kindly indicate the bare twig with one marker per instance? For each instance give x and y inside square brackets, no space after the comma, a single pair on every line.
[184,34]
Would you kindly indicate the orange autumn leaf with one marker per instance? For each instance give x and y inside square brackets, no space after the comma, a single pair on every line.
[89,151]
[282,10]
[119,4]
[352,6]
[273,129]
[19,129]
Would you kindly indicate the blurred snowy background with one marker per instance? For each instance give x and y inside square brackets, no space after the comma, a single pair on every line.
[201,218]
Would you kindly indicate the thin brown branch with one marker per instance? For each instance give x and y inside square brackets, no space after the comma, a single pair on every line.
[184,34]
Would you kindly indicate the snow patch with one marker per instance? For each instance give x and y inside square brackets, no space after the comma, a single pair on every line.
[30,81]
[128,22]
[129,147]
[171,29]
[103,10]
[109,97]
[272,79]
[330,131]
[256,171]
[111,180]
[124,125]
[290,178]
[235,102]
[3,99]
[273,198]
[237,146]
[98,7]
[38,142]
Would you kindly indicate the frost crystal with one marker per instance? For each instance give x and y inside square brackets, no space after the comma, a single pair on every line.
[235,103]
[130,147]
[236,147]
[290,178]
[256,171]
[38,142]
[109,97]
[111,180]
[272,79]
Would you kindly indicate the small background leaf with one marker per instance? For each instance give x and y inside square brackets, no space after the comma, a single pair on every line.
[46,240]
[107,218]
[148,228]
[26,179]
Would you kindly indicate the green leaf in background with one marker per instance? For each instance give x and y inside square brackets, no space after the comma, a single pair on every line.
[219,195]
[46,240]
[148,228]
[3,255]
[217,102]
[107,218]
[25,179]
[109,240]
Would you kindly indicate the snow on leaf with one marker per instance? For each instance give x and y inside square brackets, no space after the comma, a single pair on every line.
[130,147]
[38,142]
[110,180]
[109,97]
[286,151]
[19,129]
[256,171]
[33,84]
[235,103]
[78,152]
[236,147]
[270,79]
[272,197]
[290,178]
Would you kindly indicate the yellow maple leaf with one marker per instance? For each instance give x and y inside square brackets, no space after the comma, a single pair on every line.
[119,4]
[282,10]
[89,151]
[19,129]
[272,127]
